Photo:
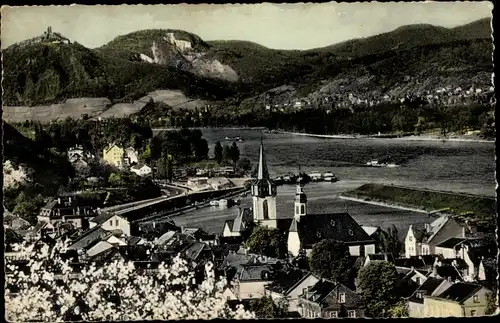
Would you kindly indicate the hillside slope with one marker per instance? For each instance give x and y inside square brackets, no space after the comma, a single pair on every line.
[43,167]
[45,72]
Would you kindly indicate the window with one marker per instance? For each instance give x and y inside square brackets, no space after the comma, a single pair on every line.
[472,313]
[303,209]
[265,210]
[476,298]
[334,314]
[410,238]
[116,222]
[351,313]
[342,298]
[351,232]
[297,209]
[417,280]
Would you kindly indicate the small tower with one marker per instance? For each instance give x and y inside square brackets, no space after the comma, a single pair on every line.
[264,194]
[300,203]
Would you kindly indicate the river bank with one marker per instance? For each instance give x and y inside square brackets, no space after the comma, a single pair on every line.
[389,205]
[383,136]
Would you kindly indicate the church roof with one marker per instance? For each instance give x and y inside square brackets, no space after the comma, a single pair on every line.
[244,217]
[313,228]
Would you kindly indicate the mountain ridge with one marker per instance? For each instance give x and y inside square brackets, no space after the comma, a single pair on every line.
[51,72]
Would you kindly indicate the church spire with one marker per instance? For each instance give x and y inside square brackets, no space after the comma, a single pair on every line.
[262,173]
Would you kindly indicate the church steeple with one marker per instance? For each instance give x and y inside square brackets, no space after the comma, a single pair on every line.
[262,172]
[263,186]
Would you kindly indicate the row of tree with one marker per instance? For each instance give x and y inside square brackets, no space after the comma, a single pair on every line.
[227,153]
[414,116]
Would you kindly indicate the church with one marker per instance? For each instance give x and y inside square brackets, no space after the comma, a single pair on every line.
[304,229]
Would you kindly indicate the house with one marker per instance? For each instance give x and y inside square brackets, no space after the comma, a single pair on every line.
[14,222]
[197,183]
[141,170]
[290,286]
[79,153]
[423,239]
[327,299]
[110,221]
[114,155]
[242,222]
[449,248]
[219,183]
[378,257]
[458,300]
[67,209]
[153,230]
[131,157]
[425,262]
[251,280]
[308,229]
[416,300]
[199,253]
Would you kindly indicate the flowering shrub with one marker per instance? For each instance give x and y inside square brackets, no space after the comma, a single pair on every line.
[45,288]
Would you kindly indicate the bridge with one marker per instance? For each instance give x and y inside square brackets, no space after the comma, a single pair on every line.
[152,209]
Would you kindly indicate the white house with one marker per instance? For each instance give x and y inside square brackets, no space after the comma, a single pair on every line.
[422,239]
[110,221]
[291,292]
[141,170]
[131,156]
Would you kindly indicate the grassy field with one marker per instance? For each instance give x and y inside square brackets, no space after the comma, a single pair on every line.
[478,210]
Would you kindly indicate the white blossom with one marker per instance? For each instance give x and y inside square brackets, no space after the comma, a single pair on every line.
[114,292]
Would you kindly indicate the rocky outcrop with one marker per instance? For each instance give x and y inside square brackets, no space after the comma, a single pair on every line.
[181,54]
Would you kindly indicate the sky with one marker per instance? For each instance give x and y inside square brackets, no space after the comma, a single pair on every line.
[280,26]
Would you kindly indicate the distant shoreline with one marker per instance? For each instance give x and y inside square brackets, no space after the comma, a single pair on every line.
[409,138]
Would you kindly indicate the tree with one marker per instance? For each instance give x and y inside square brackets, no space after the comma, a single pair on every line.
[27,207]
[226,154]
[235,153]
[114,291]
[218,152]
[146,154]
[268,242]
[330,259]
[266,308]
[377,283]
[244,164]
[389,241]
[165,167]
[400,309]
[201,149]
[115,180]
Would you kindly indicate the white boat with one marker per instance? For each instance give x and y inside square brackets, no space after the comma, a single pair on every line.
[326,175]
[227,138]
[328,179]
[373,163]
[392,165]
[214,203]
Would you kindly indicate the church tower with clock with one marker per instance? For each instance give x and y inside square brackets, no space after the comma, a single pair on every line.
[264,195]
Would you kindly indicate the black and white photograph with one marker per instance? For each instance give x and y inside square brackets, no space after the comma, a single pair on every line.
[249,161]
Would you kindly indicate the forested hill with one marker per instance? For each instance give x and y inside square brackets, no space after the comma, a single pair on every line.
[45,72]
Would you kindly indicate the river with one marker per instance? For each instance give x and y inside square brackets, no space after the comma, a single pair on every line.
[450,166]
